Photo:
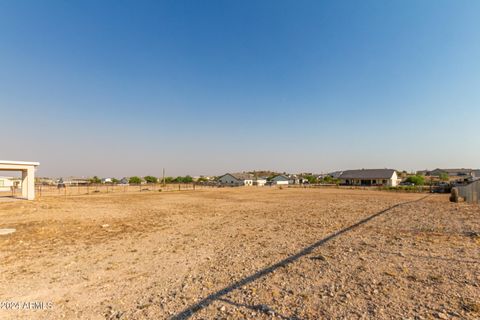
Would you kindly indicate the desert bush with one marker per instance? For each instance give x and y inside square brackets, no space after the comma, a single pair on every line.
[135,180]
[444,177]
[416,180]
[95,179]
[186,179]
[150,179]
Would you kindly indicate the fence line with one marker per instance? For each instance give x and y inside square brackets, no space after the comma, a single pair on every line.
[470,192]
[418,189]
[88,189]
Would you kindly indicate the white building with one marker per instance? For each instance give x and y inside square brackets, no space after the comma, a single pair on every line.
[73,181]
[7,183]
[260,182]
[236,179]
[281,180]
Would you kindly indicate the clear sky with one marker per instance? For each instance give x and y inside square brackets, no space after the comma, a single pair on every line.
[119,88]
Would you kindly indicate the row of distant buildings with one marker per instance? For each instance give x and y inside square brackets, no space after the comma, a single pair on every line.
[451,173]
[368,177]
[247,179]
[361,177]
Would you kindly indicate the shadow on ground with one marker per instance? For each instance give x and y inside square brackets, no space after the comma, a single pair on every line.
[218,296]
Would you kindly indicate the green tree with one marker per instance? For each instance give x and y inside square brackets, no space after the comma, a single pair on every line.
[330,180]
[150,179]
[327,179]
[187,179]
[95,179]
[444,176]
[311,179]
[115,181]
[416,180]
[169,179]
[135,180]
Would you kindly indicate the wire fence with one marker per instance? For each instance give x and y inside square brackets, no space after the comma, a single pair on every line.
[417,189]
[42,190]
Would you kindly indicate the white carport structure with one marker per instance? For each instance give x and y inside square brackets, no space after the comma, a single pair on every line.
[28,175]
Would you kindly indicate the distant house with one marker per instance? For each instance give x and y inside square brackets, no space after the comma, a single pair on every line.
[236,179]
[72,181]
[422,173]
[260,181]
[7,183]
[451,172]
[107,180]
[370,177]
[281,180]
[123,181]
[335,174]
[299,180]
[45,181]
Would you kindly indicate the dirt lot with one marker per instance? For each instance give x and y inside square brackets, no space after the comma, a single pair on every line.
[246,253]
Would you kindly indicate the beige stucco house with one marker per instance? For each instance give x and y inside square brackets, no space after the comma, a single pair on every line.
[370,177]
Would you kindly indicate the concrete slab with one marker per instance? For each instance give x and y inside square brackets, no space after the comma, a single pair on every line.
[6,231]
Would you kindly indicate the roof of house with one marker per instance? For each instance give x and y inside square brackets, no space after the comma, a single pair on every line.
[335,174]
[367,174]
[240,176]
[281,176]
[453,172]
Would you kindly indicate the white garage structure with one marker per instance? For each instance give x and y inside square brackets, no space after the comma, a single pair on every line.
[281,180]
[28,175]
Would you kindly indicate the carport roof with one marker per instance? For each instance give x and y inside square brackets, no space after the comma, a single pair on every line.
[22,163]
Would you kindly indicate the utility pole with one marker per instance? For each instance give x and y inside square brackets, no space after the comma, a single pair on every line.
[163,177]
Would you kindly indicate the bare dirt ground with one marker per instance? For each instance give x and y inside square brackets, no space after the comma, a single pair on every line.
[245,253]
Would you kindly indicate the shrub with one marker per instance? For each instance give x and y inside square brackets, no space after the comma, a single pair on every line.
[150,179]
[186,179]
[135,180]
[444,176]
[95,179]
[168,179]
[311,179]
[416,180]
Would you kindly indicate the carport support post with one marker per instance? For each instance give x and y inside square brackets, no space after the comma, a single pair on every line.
[28,184]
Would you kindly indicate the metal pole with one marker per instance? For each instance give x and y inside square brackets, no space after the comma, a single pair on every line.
[163,177]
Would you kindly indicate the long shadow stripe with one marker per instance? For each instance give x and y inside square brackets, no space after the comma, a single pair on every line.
[190,311]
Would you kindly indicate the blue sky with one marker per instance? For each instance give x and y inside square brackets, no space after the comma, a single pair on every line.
[118,88]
